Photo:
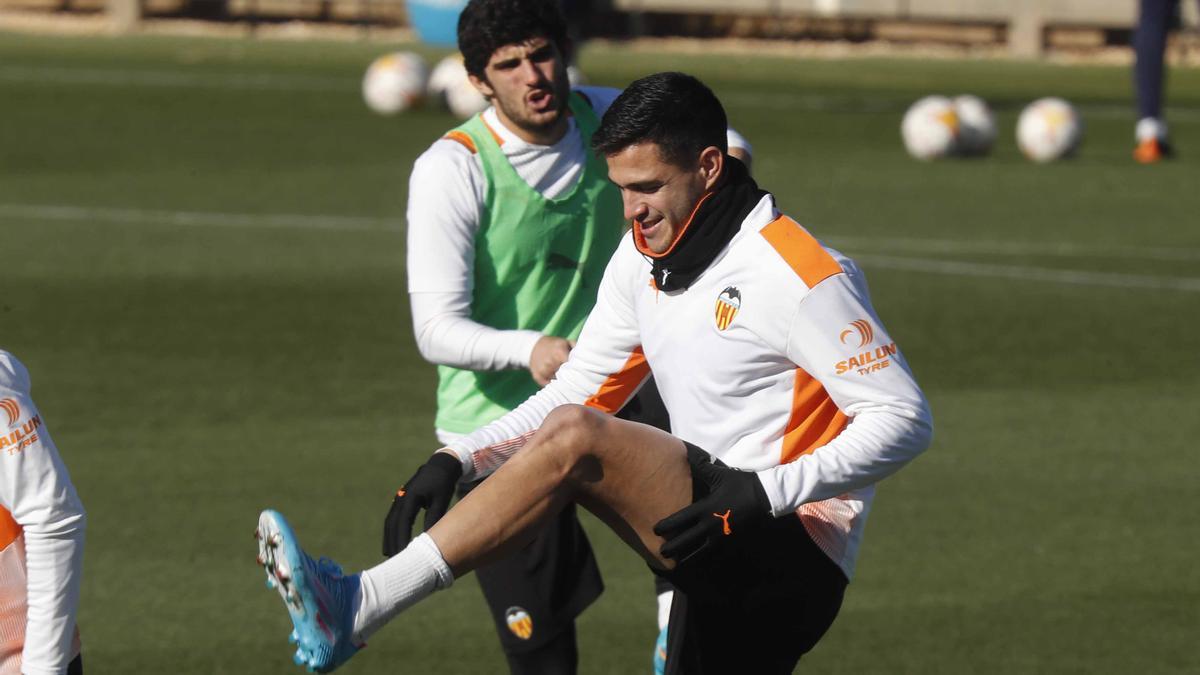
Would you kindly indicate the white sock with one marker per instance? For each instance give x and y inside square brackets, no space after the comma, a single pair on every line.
[1149,128]
[664,608]
[399,583]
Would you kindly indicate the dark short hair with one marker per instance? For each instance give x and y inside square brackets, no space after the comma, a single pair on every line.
[487,25]
[673,110]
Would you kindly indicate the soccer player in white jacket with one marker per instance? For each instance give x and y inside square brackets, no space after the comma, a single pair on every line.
[41,539]
[788,401]
[511,223]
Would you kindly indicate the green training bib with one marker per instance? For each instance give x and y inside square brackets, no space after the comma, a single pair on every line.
[538,265]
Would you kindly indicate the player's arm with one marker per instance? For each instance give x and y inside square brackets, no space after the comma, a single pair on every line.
[890,422]
[604,371]
[36,488]
[445,199]
[606,368]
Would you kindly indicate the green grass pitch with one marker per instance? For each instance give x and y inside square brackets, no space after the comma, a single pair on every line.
[203,267]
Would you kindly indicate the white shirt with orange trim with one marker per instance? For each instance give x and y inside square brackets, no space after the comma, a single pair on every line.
[773,361]
[445,200]
[41,537]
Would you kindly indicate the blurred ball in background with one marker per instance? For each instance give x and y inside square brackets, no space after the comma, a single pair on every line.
[930,128]
[394,82]
[1049,129]
[450,85]
[976,125]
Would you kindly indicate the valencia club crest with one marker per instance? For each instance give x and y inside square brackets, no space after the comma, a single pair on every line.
[728,304]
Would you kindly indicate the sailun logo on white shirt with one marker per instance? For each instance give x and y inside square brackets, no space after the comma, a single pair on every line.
[21,436]
[12,410]
[862,329]
[860,334]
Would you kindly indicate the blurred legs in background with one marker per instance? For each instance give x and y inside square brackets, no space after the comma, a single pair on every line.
[1155,19]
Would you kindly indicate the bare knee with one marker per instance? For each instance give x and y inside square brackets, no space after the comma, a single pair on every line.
[569,440]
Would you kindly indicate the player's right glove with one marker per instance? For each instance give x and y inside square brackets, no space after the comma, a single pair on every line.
[430,488]
[736,504]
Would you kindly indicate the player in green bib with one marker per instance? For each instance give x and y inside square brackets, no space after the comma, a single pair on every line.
[511,222]
[537,264]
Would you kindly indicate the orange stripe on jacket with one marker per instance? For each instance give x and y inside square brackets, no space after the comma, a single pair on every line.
[621,385]
[815,419]
[9,529]
[803,253]
[462,139]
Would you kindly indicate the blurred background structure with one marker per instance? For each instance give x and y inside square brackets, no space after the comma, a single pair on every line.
[1024,27]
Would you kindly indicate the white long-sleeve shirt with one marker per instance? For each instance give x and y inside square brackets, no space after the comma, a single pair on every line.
[445,203]
[773,361]
[41,537]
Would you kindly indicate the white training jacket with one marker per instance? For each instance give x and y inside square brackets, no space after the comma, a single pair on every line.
[41,537]
[445,200]
[773,361]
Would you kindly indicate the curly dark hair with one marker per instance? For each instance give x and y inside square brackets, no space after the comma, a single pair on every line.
[675,111]
[486,25]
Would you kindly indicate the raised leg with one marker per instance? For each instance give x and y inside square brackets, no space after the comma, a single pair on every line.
[630,475]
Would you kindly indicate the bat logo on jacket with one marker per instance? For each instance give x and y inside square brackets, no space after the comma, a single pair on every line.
[728,304]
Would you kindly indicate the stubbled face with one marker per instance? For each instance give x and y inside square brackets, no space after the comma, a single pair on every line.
[659,196]
[527,83]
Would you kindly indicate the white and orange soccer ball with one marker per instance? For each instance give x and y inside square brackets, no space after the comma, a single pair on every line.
[395,82]
[930,128]
[450,85]
[976,125]
[1049,129]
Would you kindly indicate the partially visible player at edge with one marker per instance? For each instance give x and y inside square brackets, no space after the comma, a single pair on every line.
[1150,44]
[511,220]
[788,399]
[41,539]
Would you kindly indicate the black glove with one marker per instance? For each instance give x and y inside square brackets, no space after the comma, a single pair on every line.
[430,488]
[736,504]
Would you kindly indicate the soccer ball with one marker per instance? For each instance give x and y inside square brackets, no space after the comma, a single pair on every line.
[449,84]
[976,125]
[930,128]
[394,82]
[1048,129]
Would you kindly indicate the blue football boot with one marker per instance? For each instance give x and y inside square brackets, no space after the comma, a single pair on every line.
[660,653]
[319,598]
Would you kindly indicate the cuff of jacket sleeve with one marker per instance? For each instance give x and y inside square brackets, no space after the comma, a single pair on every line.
[772,485]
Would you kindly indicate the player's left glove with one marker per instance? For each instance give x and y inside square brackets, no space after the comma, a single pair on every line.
[736,504]
[430,488]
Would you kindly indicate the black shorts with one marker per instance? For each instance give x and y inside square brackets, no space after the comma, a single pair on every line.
[754,609]
[535,594]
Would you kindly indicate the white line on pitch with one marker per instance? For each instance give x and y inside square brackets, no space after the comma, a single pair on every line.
[69,213]
[1026,273]
[174,78]
[192,218]
[992,247]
